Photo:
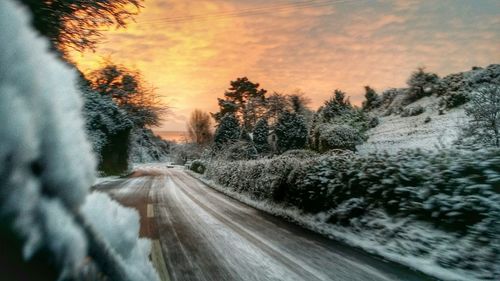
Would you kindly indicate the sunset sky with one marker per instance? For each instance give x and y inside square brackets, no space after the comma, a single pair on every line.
[315,46]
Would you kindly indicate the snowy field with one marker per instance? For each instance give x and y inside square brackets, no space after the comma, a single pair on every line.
[395,132]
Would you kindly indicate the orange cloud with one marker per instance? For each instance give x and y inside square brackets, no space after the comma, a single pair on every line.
[317,48]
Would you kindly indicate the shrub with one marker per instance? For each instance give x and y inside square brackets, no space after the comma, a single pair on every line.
[291,131]
[412,111]
[374,122]
[456,190]
[240,150]
[198,166]
[338,137]
[300,154]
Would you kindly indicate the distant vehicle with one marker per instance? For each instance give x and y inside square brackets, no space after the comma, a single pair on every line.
[170,165]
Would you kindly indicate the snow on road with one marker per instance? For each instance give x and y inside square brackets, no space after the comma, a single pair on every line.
[205,235]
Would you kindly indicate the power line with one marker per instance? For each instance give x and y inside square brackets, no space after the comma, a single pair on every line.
[244,12]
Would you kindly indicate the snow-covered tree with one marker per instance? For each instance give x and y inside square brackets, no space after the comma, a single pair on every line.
[337,125]
[422,83]
[227,131]
[484,113]
[372,99]
[245,101]
[108,128]
[261,135]
[336,105]
[291,131]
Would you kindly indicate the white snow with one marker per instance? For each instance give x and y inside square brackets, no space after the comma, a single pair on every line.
[395,132]
[47,165]
[120,227]
[406,235]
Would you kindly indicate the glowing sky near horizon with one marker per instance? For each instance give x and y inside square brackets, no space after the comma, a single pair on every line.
[344,44]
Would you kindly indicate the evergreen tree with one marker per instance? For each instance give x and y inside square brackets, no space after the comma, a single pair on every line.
[422,83]
[260,136]
[245,101]
[336,105]
[372,99]
[291,131]
[227,131]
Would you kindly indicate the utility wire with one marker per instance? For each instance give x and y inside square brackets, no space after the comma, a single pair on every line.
[244,12]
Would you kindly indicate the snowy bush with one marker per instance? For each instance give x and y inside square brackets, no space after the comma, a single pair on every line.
[455,88]
[239,150]
[264,179]
[413,111]
[484,113]
[338,137]
[456,192]
[47,163]
[290,131]
[300,154]
[198,166]
[422,84]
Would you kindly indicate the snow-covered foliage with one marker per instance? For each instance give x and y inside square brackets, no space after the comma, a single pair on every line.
[413,111]
[228,130]
[103,117]
[338,125]
[421,83]
[120,227]
[483,110]
[332,136]
[434,211]
[198,166]
[239,150]
[146,147]
[47,163]
[300,153]
[260,136]
[290,131]
[264,179]
[456,88]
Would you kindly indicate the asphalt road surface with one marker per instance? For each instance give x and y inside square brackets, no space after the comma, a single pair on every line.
[201,234]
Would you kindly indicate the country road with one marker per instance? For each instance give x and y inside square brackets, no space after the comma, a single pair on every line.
[201,234]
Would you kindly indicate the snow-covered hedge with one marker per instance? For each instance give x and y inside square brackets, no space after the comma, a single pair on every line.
[265,178]
[47,167]
[333,136]
[455,192]
[198,166]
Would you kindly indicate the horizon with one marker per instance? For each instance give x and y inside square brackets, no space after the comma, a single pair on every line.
[314,46]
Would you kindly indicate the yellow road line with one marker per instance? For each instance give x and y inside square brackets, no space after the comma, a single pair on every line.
[150,212]
[158,261]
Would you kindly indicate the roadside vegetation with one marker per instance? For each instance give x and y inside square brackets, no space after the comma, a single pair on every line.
[274,152]
[61,128]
